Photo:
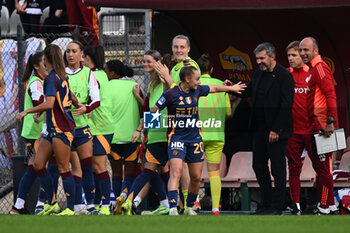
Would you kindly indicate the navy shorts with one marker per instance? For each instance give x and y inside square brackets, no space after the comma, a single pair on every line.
[66,137]
[157,153]
[82,136]
[190,152]
[129,152]
[102,144]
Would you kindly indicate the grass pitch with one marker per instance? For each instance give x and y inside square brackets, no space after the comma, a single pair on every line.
[168,224]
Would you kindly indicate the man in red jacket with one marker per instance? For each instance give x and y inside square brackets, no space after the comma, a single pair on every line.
[301,137]
[322,114]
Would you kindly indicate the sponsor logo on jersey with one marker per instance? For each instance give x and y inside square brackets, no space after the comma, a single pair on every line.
[181,100]
[177,145]
[161,101]
[308,78]
[301,90]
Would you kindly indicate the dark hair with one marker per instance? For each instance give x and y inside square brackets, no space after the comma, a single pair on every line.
[119,68]
[268,47]
[34,59]
[204,63]
[187,70]
[53,55]
[81,46]
[97,55]
[65,58]
[169,61]
[293,45]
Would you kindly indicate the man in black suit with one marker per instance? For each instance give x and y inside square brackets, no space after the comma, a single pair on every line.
[272,92]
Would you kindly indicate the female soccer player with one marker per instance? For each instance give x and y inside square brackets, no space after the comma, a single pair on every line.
[181,47]
[33,76]
[84,86]
[185,140]
[156,154]
[126,116]
[217,105]
[60,130]
[101,126]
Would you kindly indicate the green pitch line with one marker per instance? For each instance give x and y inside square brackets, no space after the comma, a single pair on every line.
[168,224]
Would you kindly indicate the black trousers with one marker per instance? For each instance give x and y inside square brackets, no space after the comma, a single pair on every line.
[30,23]
[54,25]
[263,151]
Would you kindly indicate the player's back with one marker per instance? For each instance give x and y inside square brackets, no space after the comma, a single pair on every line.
[60,116]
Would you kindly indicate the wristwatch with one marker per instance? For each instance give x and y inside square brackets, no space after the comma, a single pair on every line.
[329,121]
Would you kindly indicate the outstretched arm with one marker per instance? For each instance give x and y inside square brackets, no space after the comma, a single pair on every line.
[48,104]
[237,88]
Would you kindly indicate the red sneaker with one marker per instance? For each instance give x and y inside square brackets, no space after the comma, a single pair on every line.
[216,212]
[197,206]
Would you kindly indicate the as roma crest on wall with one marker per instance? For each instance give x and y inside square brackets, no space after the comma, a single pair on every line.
[236,64]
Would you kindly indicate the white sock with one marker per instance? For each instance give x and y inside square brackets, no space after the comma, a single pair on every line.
[40,203]
[333,208]
[19,203]
[124,195]
[165,203]
[215,209]
[197,199]
[298,205]
[78,207]
[137,201]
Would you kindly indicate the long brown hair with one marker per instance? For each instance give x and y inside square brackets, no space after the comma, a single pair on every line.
[34,59]
[154,78]
[53,55]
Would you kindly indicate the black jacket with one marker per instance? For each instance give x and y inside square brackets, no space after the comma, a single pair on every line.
[278,100]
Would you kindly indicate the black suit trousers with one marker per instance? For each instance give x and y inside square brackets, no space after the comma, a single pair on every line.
[263,151]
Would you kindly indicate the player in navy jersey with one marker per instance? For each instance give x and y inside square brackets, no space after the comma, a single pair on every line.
[33,77]
[60,130]
[185,140]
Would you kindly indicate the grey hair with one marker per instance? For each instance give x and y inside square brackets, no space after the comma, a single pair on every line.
[268,47]
[183,37]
